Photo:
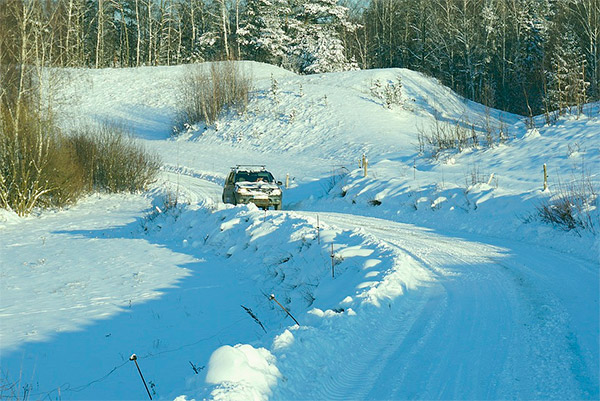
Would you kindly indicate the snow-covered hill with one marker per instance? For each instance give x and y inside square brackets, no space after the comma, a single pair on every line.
[445,283]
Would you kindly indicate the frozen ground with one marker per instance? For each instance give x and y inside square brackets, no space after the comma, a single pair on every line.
[445,285]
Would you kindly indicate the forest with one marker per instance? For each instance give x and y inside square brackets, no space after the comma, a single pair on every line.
[524,56]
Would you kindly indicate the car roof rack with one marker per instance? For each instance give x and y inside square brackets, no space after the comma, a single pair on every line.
[249,167]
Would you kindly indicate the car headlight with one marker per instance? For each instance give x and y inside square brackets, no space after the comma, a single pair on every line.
[276,192]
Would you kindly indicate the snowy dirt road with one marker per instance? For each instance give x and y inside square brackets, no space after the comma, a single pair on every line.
[499,320]
[493,324]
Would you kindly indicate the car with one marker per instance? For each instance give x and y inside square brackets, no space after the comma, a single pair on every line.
[252,184]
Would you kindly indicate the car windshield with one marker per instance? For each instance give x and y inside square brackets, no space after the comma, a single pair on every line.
[254,176]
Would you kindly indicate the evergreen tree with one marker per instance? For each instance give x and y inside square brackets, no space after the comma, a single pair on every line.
[263,32]
[527,54]
[567,85]
[316,27]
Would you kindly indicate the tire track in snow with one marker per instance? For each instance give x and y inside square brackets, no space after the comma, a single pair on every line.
[425,353]
[363,364]
[476,337]
[192,185]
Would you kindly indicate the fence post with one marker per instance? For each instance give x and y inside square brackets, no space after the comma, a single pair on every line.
[287,180]
[365,163]
[318,231]
[332,262]
[545,177]
[272,298]
[133,358]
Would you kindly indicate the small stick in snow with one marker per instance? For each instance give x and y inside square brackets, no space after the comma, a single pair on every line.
[253,316]
[318,231]
[272,298]
[414,169]
[133,358]
[332,262]
[195,368]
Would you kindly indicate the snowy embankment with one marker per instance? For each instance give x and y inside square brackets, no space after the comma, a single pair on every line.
[445,284]
[291,257]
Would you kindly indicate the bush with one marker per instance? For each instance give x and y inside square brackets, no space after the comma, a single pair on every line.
[440,136]
[112,160]
[459,135]
[207,91]
[37,164]
[41,167]
[390,93]
[571,205]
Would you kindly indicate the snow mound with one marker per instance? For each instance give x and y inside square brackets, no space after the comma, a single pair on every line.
[242,373]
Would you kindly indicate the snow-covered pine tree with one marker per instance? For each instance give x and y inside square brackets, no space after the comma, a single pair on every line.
[262,33]
[530,25]
[316,27]
[567,85]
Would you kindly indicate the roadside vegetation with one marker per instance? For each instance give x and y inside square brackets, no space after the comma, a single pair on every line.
[42,167]
[570,206]
[112,160]
[440,136]
[208,90]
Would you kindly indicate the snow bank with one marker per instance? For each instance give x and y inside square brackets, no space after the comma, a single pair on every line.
[481,191]
[284,254]
[8,217]
[242,373]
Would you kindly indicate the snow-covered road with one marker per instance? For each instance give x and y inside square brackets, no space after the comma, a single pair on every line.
[499,321]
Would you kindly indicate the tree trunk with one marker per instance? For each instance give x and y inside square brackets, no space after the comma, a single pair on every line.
[100,33]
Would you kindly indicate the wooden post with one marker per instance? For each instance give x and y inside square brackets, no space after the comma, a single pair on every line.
[318,231]
[287,180]
[332,262]
[545,177]
[365,163]
[133,358]
[272,298]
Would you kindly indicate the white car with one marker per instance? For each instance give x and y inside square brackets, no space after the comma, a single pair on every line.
[252,183]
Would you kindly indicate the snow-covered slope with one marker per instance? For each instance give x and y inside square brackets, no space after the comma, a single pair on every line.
[428,278]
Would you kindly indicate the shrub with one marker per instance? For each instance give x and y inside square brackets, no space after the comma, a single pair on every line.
[37,164]
[390,93]
[459,135]
[41,167]
[207,91]
[440,136]
[338,175]
[476,176]
[112,160]
[571,206]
